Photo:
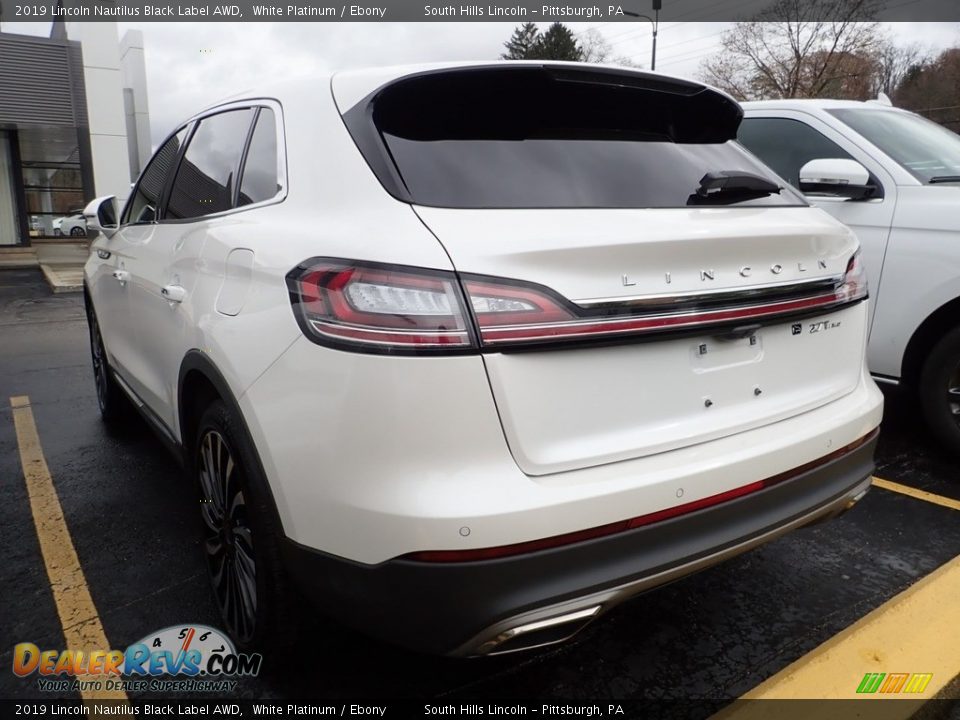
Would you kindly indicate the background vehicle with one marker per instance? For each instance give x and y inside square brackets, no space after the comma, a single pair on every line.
[74,224]
[894,178]
[533,344]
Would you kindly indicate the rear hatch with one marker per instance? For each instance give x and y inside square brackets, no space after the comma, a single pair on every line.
[676,306]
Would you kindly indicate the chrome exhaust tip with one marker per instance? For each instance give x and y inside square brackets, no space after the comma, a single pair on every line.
[539,633]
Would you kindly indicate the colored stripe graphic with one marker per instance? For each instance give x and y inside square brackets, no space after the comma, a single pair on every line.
[918,682]
[871,682]
[894,682]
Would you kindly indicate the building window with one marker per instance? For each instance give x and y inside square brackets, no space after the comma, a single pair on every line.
[52,180]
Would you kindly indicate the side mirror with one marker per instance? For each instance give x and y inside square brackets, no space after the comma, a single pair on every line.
[837,177]
[101,215]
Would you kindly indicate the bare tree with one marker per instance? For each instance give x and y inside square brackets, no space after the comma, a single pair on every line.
[597,49]
[594,46]
[796,48]
[893,62]
[932,88]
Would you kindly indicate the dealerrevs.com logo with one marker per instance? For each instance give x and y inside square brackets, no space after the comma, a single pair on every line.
[199,657]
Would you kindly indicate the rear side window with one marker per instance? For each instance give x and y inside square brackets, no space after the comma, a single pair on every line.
[260,167]
[787,145]
[142,208]
[206,180]
[552,138]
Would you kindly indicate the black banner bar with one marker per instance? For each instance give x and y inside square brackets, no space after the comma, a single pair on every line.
[431,11]
[374,709]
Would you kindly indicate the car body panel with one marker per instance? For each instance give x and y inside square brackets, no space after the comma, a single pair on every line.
[911,245]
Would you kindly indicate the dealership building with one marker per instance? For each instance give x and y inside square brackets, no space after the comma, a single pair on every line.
[74,123]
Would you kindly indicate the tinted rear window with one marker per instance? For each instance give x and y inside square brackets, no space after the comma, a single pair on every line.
[564,172]
[551,138]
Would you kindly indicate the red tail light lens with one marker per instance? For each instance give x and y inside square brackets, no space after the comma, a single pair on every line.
[519,314]
[393,309]
[854,281]
[380,307]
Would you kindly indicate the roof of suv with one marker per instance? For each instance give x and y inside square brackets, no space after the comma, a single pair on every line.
[816,104]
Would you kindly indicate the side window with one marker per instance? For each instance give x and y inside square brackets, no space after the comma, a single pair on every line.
[787,145]
[142,207]
[259,180]
[207,175]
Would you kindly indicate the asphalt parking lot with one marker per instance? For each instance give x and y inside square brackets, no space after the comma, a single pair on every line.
[712,636]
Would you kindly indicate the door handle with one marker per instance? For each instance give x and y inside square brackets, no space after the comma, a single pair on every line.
[121,275]
[173,293]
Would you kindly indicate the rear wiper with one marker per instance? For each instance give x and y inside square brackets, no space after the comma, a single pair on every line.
[735,182]
[731,187]
[944,179]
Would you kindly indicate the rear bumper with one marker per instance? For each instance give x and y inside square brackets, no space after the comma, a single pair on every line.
[514,603]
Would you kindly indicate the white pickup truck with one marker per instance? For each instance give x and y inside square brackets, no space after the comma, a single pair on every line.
[894,178]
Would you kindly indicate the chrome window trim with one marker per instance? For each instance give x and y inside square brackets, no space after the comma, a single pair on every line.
[282,176]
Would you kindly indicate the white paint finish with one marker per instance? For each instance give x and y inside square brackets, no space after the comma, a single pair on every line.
[583,254]
[401,465]
[579,408]
[910,238]
[236,281]
[921,274]
[870,219]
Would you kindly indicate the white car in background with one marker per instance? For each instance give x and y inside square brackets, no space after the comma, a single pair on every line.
[894,178]
[472,353]
[74,224]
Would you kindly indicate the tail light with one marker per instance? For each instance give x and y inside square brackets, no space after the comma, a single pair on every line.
[395,309]
[854,285]
[379,307]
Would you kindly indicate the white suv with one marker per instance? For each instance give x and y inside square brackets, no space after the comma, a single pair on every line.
[471,353]
[894,178]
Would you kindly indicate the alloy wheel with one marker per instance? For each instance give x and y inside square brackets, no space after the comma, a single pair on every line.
[228,538]
[953,394]
[98,356]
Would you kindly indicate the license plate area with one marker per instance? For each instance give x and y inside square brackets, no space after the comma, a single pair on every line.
[714,353]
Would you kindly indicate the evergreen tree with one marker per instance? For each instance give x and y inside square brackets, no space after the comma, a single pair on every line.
[525,37]
[557,43]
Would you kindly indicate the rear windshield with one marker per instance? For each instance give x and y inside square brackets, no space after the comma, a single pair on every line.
[528,139]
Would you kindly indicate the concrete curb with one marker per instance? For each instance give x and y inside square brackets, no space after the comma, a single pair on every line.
[18,260]
[63,278]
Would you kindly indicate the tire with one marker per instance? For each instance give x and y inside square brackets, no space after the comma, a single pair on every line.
[114,404]
[940,390]
[241,535]
[78,232]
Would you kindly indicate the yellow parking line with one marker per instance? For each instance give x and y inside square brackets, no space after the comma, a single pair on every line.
[78,615]
[918,494]
[914,637]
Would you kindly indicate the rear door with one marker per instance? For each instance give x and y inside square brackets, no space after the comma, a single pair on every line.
[167,268]
[119,321]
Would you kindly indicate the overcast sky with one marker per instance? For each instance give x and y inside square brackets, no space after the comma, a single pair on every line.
[190,65]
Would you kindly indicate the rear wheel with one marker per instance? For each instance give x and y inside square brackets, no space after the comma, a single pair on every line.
[77,231]
[241,534]
[940,390]
[113,404]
